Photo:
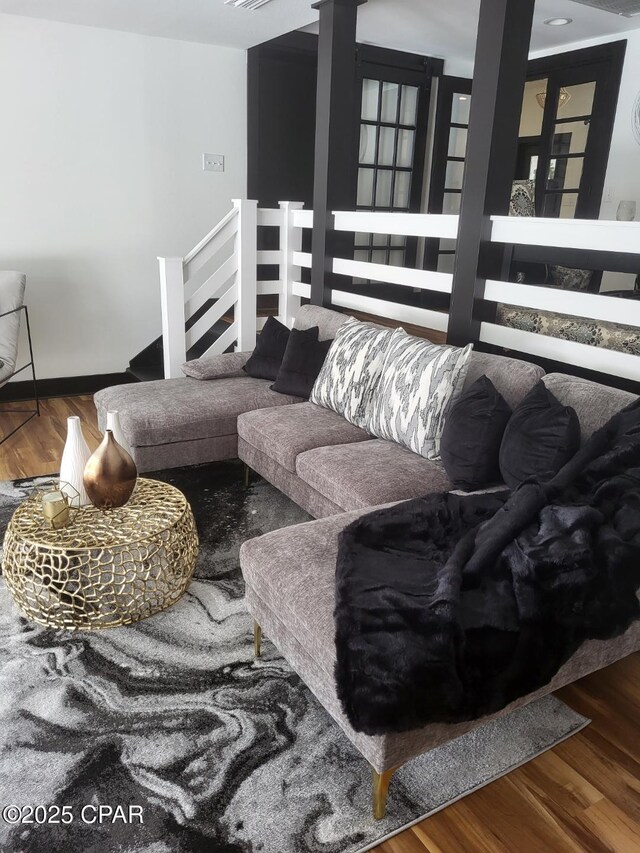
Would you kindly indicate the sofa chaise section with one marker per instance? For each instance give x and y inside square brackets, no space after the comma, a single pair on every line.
[290,589]
[290,579]
[174,422]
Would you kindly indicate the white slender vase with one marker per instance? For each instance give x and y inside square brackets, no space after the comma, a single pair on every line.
[113,423]
[75,456]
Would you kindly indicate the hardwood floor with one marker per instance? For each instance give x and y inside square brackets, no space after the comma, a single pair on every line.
[37,447]
[582,796]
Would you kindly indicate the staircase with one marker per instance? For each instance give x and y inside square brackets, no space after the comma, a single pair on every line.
[212,301]
[148,364]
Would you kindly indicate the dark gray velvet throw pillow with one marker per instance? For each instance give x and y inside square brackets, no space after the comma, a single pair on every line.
[472,435]
[264,362]
[302,362]
[541,436]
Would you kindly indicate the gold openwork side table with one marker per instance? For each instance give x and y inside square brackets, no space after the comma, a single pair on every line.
[108,567]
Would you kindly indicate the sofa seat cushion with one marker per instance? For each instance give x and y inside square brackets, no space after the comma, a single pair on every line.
[355,476]
[294,572]
[174,410]
[285,432]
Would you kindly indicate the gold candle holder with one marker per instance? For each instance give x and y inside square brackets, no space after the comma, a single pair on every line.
[55,508]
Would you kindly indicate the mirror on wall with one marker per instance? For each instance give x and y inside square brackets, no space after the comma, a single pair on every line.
[555,132]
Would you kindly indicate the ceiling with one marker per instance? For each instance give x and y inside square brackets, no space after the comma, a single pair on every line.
[444,29]
[208,21]
[448,29]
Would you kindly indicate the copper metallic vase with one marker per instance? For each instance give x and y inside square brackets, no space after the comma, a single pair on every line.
[110,474]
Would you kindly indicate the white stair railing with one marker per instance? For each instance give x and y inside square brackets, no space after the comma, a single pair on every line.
[183,291]
[223,267]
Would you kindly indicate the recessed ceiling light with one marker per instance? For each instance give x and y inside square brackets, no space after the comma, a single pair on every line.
[558,22]
[462,97]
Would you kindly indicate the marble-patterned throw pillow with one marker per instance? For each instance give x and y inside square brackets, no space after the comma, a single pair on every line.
[569,278]
[352,369]
[419,382]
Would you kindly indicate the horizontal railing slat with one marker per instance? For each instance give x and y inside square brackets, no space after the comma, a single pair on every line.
[269,256]
[269,216]
[597,234]
[595,306]
[299,288]
[395,311]
[423,279]
[269,288]
[405,224]
[302,218]
[302,259]
[620,364]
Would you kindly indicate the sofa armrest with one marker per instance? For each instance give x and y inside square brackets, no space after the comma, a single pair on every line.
[216,366]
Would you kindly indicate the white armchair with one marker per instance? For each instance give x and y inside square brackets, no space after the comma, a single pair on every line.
[12,307]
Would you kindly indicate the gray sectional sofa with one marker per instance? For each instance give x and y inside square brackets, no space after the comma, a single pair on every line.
[313,455]
[336,472]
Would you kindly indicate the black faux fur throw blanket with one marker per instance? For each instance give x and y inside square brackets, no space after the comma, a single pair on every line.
[449,607]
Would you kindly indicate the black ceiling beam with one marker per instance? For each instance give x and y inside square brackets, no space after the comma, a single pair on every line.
[335,163]
[502,47]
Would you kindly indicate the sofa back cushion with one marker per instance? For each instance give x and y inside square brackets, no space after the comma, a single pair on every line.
[327,321]
[472,435]
[542,435]
[594,403]
[510,376]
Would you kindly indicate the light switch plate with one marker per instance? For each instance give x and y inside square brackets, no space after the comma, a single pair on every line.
[213,162]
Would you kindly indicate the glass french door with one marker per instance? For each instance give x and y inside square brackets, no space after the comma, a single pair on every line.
[565,132]
[568,143]
[393,129]
[447,170]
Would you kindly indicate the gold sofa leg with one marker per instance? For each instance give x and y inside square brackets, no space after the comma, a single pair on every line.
[380,791]
[257,639]
[246,476]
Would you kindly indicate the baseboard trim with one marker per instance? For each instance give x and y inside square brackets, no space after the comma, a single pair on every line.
[65,386]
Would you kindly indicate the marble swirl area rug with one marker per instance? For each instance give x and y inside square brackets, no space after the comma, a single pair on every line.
[220,753]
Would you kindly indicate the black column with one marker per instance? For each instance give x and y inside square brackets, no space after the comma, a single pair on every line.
[504,32]
[335,167]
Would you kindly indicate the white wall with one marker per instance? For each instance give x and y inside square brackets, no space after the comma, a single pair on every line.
[101,171]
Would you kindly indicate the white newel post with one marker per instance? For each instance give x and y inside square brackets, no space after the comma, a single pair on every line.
[172,303]
[290,242]
[247,253]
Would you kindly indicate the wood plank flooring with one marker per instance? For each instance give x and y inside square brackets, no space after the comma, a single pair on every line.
[582,796]
[37,447]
